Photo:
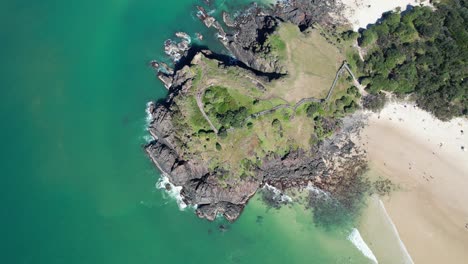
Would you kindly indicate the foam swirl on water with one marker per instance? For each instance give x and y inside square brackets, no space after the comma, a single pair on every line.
[172,190]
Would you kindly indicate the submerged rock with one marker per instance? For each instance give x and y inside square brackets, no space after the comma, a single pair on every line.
[166,79]
[154,64]
[176,50]
[183,35]
[228,210]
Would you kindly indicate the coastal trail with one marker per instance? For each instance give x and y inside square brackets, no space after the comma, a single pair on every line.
[344,67]
[200,106]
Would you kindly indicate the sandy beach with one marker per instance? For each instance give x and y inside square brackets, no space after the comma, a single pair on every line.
[424,158]
[360,13]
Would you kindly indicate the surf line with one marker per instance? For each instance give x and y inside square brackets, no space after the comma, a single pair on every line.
[357,240]
[402,245]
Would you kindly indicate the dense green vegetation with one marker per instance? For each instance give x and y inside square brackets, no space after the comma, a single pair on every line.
[374,102]
[228,112]
[423,52]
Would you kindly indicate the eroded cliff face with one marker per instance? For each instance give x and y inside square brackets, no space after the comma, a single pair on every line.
[201,183]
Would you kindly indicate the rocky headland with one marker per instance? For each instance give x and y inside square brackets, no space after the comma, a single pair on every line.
[280,111]
[192,155]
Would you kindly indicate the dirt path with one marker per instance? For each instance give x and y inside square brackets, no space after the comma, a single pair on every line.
[355,81]
[200,106]
[343,67]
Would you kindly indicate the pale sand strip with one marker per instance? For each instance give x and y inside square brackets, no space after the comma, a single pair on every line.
[360,13]
[406,257]
[431,210]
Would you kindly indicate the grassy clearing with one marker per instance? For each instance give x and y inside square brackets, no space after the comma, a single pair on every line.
[277,46]
[311,62]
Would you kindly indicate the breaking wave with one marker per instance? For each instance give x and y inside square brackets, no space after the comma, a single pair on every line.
[317,191]
[356,238]
[278,195]
[395,231]
[148,119]
[172,190]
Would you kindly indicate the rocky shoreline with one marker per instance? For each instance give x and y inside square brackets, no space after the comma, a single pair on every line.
[244,36]
[326,164]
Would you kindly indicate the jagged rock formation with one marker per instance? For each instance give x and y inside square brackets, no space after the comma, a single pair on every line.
[248,32]
[244,37]
[332,159]
[199,186]
[304,13]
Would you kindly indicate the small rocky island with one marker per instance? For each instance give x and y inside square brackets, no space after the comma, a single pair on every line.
[278,111]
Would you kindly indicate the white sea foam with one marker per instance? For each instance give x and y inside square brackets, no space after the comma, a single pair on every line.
[219,36]
[356,238]
[148,138]
[148,119]
[149,116]
[278,195]
[173,191]
[318,192]
[211,12]
[272,2]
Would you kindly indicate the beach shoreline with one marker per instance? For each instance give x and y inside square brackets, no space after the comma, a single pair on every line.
[425,159]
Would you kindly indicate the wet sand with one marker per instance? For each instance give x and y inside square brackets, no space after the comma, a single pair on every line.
[381,235]
[424,157]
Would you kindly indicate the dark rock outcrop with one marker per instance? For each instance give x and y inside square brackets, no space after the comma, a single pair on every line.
[230,211]
[177,49]
[200,187]
[247,43]
[247,33]
[304,13]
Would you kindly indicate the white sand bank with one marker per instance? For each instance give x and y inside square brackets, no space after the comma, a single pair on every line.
[360,13]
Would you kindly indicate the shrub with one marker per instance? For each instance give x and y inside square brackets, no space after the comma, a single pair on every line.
[374,102]
[218,146]
[312,109]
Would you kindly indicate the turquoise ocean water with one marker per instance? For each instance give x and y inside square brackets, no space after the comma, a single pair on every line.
[76,184]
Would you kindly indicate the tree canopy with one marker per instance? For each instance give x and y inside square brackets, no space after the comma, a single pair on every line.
[421,51]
